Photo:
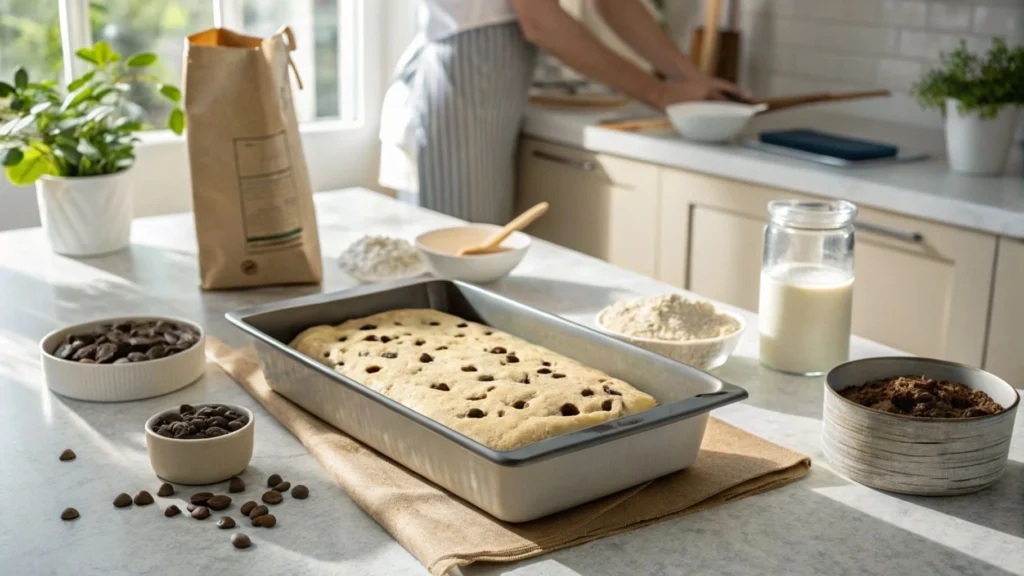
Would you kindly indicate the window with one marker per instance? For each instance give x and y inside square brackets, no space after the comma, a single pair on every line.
[327,39]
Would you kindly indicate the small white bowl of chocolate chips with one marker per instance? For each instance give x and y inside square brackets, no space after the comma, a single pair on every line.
[200,444]
[120,359]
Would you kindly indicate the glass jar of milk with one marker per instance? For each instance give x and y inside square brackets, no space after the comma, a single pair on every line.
[807,286]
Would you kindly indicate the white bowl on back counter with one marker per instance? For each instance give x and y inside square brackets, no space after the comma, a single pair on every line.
[162,371]
[913,454]
[440,248]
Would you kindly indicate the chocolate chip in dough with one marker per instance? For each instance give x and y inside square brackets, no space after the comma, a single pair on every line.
[172,510]
[68,454]
[143,498]
[247,507]
[426,357]
[283,486]
[239,540]
[69,514]
[265,521]
[300,492]
[272,497]
[201,513]
[611,391]
[442,387]
[165,490]
[569,410]
[475,413]
[218,502]
[122,500]
[226,522]
[606,405]
[274,480]
[236,485]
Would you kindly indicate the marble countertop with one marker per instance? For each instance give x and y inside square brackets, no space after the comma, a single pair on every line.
[924,189]
[822,524]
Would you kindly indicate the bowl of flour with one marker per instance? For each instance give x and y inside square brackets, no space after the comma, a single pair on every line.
[690,331]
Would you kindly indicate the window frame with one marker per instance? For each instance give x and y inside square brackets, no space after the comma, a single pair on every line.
[76,33]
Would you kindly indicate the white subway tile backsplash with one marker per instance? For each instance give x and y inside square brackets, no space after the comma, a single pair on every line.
[926,45]
[898,74]
[1008,22]
[862,10]
[859,69]
[860,40]
[787,7]
[783,59]
[817,64]
[904,13]
[820,9]
[949,17]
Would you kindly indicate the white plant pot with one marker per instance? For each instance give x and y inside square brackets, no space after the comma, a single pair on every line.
[976,145]
[86,216]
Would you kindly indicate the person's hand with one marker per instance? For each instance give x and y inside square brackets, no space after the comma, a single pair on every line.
[703,89]
[727,90]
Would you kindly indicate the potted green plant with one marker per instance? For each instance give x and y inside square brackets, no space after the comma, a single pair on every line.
[78,146]
[981,98]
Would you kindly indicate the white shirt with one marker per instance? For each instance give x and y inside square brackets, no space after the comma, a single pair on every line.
[443,18]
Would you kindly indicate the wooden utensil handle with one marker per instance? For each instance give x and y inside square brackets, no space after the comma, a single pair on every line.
[638,125]
[783,102]
[709,47]
[517,223]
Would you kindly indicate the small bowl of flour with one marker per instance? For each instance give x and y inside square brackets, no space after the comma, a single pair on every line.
[380,259]
[690,331]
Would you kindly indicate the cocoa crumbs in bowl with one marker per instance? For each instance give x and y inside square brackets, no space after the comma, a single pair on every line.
[922,397]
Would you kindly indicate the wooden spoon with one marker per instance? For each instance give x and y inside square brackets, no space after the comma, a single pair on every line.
[518,223]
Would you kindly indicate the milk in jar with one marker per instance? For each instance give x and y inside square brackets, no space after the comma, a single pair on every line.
[807,286]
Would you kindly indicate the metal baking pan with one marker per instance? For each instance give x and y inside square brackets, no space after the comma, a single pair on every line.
[516,485]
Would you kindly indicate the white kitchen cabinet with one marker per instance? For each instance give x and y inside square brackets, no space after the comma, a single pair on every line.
[1005,354]
[601,205]
[921,287]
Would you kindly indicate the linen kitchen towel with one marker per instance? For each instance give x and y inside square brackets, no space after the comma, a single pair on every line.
[443,531]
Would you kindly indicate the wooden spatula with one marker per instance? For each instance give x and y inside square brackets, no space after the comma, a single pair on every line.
[491,245]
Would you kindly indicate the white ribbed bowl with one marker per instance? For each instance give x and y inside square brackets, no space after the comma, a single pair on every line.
[924,456]
[121,382]
[205,460]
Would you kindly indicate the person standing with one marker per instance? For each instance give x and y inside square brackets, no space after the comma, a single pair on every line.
[451,118]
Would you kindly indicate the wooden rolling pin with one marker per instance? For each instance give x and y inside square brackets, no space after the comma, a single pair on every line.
[777,103]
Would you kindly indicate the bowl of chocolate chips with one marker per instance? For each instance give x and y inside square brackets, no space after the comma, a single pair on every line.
[119,359]
[201,444]
[918,425]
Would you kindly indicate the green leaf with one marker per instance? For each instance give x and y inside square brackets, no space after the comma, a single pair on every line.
[75,98]
[12,157]
[33,165]
[68,153]
[176,121]
[114,57]
[20,78]
[171,92]
[41,107]
[125,163]
[103,52]
[141,60]
[16,103]
[87,149]
[17,125]
[78,82]
[6,89]
[66,141]
[87,54]
[99,113]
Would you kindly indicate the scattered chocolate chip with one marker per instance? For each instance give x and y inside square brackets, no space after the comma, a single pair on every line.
[300,492]
[143,498]
[569,410]
[122,500]
[226,522]
[165,490]
[200,498]
[69,514]
[236,484]
[239,540]
[201,513]
[218,502]
[258,511]
[274,480]
[283,486]
[475,413]
[172,510]
[247,507]
[272,497]
[606,405]
[265,521]
[68,454]
[191,507]
[442,387]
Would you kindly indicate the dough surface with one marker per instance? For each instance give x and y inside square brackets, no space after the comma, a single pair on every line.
[488,385]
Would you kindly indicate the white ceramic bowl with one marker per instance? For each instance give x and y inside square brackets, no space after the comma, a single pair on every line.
[925,456]
[711,122]
[439,248]
[706,354]
[120,382]
[203,461]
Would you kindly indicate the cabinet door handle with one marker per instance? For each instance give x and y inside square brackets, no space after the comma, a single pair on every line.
[913,237]
[586,165]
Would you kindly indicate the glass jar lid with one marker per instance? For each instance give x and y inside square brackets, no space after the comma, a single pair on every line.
[812,214]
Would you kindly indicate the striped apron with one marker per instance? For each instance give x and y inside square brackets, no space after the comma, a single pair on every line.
[458,119]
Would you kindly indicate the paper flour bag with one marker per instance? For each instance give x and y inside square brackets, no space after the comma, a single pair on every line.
[251,195]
